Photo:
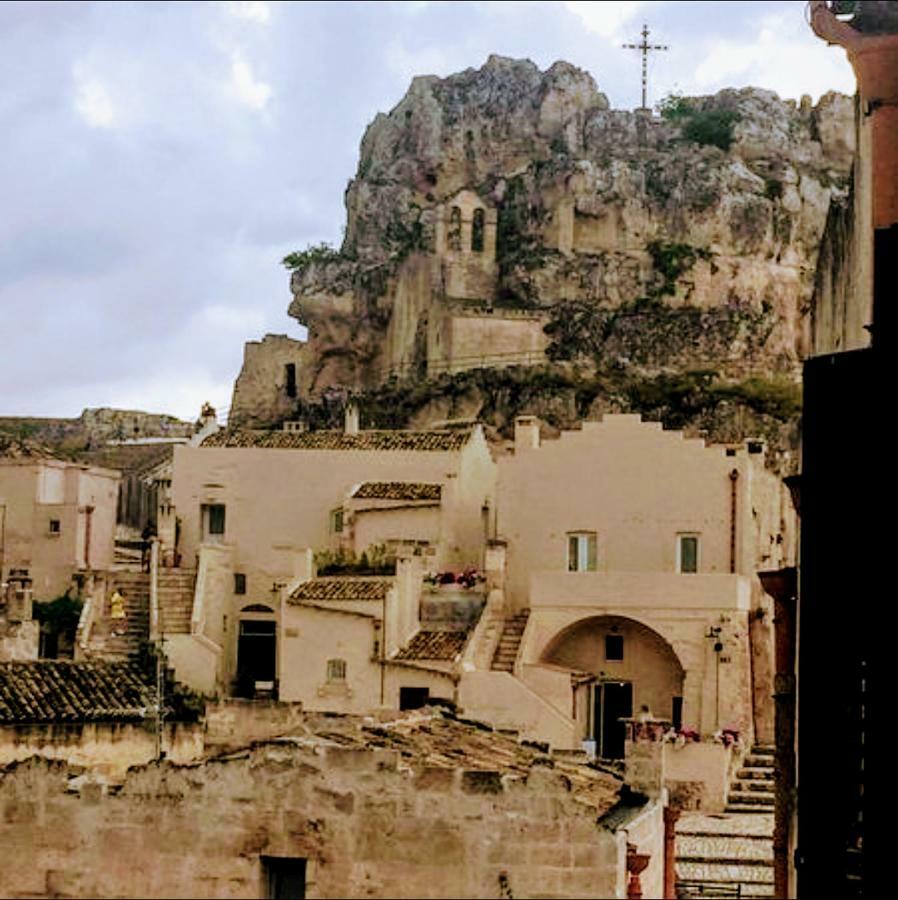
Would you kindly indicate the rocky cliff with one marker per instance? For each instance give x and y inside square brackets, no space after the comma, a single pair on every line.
[507,215]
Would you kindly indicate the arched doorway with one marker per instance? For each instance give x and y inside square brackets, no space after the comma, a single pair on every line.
[256,652]
[628,666]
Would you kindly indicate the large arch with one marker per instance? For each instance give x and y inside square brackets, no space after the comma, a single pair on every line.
[648,661]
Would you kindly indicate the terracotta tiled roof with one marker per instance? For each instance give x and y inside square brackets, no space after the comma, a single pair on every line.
[45,691]
[342,589]
[434,645]
[397,490]
[338,440]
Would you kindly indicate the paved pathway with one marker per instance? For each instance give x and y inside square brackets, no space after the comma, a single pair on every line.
[729,849]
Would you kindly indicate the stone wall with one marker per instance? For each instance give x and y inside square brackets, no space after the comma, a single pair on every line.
[111,748]
[365,826]
[18,640]
[843,291]
[261,396]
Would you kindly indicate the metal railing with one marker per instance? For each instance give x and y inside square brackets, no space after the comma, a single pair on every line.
[465,363]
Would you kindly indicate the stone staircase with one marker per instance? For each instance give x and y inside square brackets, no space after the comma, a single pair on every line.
[175,589]
[724,855]
[509,642]
[752,790]
[117,639]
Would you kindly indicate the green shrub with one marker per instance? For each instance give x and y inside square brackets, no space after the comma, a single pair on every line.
[376,560]
[671,260]
[708,127]
[321,253]
[713,127]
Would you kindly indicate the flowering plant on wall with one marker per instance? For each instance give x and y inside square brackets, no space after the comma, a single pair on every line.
[681,736]
[727,736]
[467,579]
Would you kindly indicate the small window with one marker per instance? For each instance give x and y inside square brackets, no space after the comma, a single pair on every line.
[55,526]
[290,379]
[455,229]
[687,553]
[582,552]
[413,697]
[285,877]
[213,520]
[336,670]
[477,231]
[337,520]
[239,583]
[614,647]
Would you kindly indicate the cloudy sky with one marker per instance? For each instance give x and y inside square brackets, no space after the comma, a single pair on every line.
[159,159]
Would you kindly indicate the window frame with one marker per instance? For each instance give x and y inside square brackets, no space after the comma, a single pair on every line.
[337,520]
[206,515]
[620,658]
[240,583]
[335,671]
[580,562]
[686,535]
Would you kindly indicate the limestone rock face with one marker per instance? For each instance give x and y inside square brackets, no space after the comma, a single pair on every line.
[487,202]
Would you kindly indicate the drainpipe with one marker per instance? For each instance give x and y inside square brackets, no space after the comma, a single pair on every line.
[155,632]
[670,852]
[88,512]
[782,586]
[734,478]
[383,648]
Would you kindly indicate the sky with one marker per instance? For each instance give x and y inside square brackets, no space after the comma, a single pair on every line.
[158,160]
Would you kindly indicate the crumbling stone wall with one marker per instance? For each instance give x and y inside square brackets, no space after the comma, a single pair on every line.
[367,824]
[262,395]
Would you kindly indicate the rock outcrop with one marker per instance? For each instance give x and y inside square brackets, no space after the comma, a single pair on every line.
[496,202]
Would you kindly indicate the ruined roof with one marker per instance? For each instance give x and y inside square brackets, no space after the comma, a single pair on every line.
[437,737]
[342,589]
[439,441]
[48,691]
[397,490]
[445,645]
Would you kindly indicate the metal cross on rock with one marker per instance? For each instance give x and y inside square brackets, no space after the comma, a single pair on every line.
[645,47]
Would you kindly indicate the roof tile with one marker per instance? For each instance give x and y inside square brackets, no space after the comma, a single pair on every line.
[342,589]
[397,490]
[44,691]
[444,645]
[439,441]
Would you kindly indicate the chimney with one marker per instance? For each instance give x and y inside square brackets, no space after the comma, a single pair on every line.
[351,419]
[526,433]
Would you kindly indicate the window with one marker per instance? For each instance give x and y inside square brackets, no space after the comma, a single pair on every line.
[239,583]
[687,553]
[336,670]
[413,697]
[614,647]
[477,231]
[285,877]
[213,520]
[55,526]
[337,520]
[290,379]
[581,551]
[455,229]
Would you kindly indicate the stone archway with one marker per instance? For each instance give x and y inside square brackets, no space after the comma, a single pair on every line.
[616,650]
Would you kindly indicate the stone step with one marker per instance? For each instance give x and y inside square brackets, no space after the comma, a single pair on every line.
[753,785]
[757,772]
[725,873]
[757,760]
[718,848]
[762,797]
[748,808]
